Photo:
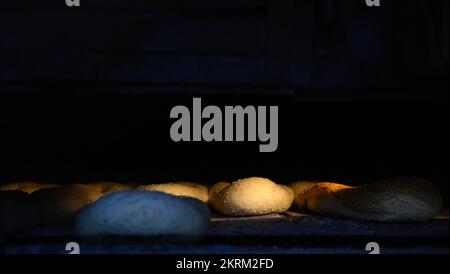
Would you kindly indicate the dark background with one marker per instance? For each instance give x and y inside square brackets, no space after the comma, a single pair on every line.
[85,93]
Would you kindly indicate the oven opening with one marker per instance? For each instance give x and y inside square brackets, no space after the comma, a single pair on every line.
[224,127]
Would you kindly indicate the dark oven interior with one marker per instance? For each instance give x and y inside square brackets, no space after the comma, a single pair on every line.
[86,94]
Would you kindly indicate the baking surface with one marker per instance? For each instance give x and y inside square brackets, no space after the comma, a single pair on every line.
[277,233]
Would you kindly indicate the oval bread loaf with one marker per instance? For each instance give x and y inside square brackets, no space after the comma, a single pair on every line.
[251,196]
[143,213]
[395,200]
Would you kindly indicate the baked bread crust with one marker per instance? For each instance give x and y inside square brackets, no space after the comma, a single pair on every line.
[103,188]
[394,200]
[250,196]
[187,189]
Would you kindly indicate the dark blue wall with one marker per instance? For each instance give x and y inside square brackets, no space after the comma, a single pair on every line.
[301,43]
[85,94]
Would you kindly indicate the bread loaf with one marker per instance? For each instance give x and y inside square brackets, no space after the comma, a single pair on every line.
[395,200]
[250,196]
[143,213]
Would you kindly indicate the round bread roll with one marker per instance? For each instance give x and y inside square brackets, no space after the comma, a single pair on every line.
[143,213]
[396,200]
[18,212]
[60,204]
[103,188]
[187,189]
[251,196]
[28,187]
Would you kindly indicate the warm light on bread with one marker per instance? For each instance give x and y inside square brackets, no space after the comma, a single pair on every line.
[395,200]
[103,188]
[250,196]
[187,189]
[28,187]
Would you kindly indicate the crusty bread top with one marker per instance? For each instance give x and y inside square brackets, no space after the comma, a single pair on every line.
[103,188]
[392,194]
[314,197]
[188,189]
[401,199]
[250,196]
[301,186]
[28,187]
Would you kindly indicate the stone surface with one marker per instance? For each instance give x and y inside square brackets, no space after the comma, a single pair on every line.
[290,233]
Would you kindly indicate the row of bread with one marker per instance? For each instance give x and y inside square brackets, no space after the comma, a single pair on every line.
[183,208]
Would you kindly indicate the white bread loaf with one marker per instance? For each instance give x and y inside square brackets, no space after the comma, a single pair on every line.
[143,213]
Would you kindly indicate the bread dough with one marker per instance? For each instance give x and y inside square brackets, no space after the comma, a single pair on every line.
[60,204]
[143,213]
[250,196]
[18,212]
[395,200]
[187,189]
[28,187]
